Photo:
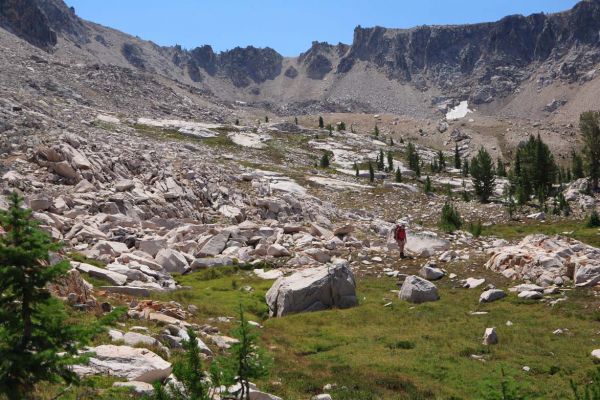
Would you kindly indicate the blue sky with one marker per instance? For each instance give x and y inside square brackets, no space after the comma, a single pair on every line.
[288,26]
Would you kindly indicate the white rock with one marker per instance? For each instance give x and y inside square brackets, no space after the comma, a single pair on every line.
[172,261]
[133,364]
[491,295]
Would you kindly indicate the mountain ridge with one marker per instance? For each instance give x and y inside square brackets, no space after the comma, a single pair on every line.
[484,63]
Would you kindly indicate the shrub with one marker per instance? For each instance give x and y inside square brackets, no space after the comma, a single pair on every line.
[450,219]
[324,163]
[593,220]
[475,228]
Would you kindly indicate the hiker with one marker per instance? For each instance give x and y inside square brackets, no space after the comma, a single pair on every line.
[400,237]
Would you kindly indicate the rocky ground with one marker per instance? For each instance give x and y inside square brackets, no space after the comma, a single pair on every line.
[150,184]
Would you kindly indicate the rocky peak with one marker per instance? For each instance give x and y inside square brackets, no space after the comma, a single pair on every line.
[39,21]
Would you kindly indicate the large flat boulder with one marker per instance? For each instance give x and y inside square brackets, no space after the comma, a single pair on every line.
[214,246]
[423,245]
[313,289]
[114,278]
[133,364]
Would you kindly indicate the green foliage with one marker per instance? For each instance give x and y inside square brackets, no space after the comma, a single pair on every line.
[427,187]
[390,161]
[356,169]
[33,327]
[329,127]
[465,168]
[341,126]
[563,205]
[450,219]
[380,161]
[500,168]
[194,385]
[482,173]
[376,131]
[457,161]
[237,121]
[589,124]
[266,119]
[441,161]
[475,228]
[371,172]
[577,165]
[593,220]
[321,122]
[412,157]
[247,361]
[398,175]
[296,120]
[324,163]
[535,170]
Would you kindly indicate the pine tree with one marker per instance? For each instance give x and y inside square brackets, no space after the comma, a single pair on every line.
[356,169]
[500,169]
[412,157]
[401,140]
[577,165]
[589,124]
[321,122]
[482,173]
[441,163]
[189,373]
[247,360]
[534,169]
[237,121]
[457,163]
[427,188]
[509,194]
[391,141]
[376,131]
[295,120]
[341,126]
[398,175]
[390,161]
[266,119]
[465,168]
[329,127]
[37,344]
[371,172]
[593,220]
[450,219]
[324,163]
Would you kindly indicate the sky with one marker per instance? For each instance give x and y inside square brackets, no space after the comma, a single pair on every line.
[288,26]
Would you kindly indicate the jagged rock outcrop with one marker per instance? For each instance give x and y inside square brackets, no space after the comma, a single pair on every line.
[39,21]
[488,59]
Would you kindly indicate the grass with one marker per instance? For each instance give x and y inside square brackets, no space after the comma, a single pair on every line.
[411,352]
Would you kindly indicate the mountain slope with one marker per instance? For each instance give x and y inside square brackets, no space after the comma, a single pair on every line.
[417,71]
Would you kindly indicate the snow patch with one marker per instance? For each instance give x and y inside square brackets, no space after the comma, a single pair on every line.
[460,111]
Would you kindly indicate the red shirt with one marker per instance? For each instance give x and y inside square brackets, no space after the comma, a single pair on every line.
[400,234]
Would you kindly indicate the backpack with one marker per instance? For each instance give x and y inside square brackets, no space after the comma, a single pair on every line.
[397,231]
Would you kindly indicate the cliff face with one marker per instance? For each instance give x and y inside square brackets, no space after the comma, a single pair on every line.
[39,21]
[486,60]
